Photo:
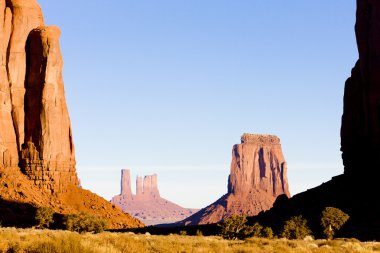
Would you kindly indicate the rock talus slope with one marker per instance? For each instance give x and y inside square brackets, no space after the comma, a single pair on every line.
[37,156]
[147,205]
[258,175]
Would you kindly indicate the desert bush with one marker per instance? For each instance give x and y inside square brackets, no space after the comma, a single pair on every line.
[267,232]
[44,217]
[296,228]
[83,222]
[235,227]
[332,219]
[198,233]
[182,232]
[255,230]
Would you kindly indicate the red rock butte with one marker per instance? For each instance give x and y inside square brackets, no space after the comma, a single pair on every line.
[258,175]
[37,155]
[147,205]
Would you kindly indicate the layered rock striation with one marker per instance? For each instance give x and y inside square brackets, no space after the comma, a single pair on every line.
[37,156]
[258,175]
[147,205]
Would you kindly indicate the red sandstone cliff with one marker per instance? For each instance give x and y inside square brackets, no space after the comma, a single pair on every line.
[258,175]
[147,205]
[37,157]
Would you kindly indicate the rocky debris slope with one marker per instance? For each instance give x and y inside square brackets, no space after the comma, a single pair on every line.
[37,157]
[258,175]
[147,205]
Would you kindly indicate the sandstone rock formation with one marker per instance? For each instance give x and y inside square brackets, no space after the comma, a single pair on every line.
[147,205]
[36,132]
[36,137]
[258,175]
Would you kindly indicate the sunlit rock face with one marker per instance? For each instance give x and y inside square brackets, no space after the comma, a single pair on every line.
[37,157]
[35,126]
[258,175]
[147,205]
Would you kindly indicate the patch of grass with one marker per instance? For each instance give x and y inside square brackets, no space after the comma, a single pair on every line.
[41,241]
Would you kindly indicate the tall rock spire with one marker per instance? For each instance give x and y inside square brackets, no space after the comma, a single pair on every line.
[126,189]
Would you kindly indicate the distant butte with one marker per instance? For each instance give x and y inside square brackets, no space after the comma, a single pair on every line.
[147,205]
[258,175]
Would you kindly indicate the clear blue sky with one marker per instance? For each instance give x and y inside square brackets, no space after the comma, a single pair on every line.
[168,87]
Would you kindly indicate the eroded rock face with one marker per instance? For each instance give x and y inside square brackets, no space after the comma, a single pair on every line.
[258,175]
[37,161]
[360,131]
[147,205]
[35,126]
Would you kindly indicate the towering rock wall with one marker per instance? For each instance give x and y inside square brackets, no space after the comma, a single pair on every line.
[37,162]
[35,126]
[258,175]
[147,205]
[360,131]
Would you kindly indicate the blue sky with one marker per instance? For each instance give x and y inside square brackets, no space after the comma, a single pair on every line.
[168,87]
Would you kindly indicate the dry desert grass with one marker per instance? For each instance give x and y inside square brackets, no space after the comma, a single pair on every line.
[29,240]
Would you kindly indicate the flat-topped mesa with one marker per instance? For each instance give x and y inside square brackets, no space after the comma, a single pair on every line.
[260,139]
[258,163]
[258,175]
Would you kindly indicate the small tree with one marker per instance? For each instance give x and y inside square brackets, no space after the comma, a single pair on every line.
[44,217]
[83,222]
[332,219]
[296,228]
[235,227]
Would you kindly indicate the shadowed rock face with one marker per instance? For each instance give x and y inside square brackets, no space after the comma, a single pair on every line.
[147,205]
[360,131]
[356,192]
[258,175]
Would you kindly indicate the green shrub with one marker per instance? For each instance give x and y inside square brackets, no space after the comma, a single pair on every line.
[332,219]
[255,230]
[44,217]
[182,232]
[235,227]
[267,232]
[83,222]
[199,233]
[296,228]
